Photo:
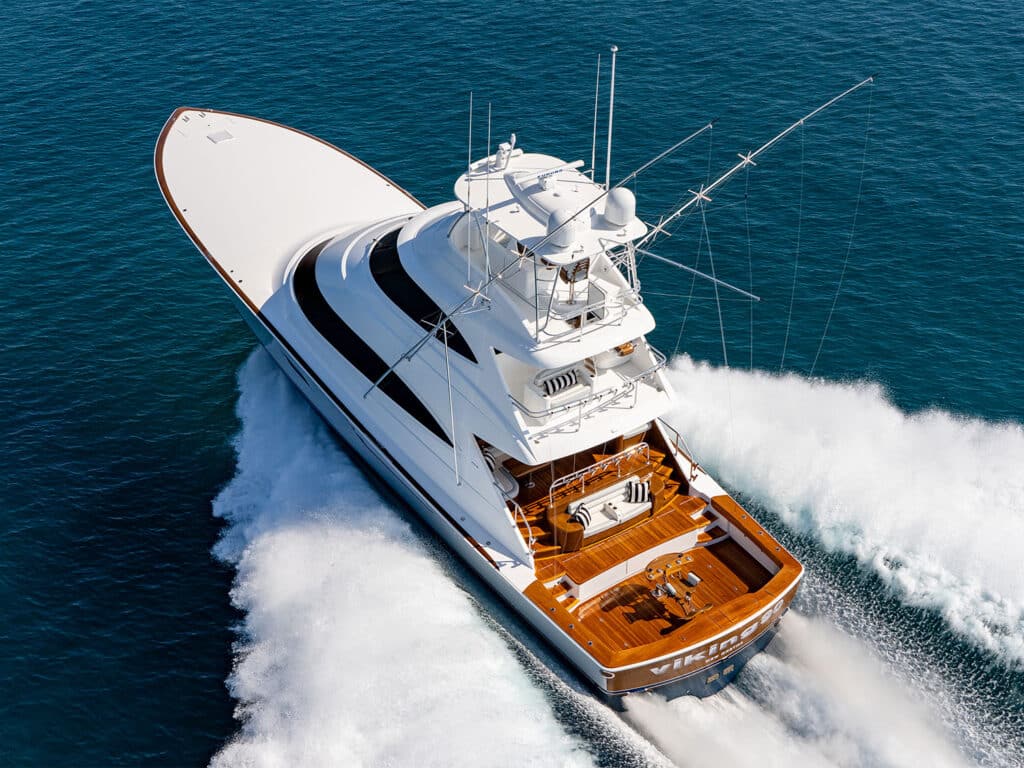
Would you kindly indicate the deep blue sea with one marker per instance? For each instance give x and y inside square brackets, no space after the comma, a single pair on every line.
[189,561]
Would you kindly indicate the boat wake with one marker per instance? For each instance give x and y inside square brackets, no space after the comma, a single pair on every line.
[930,502]
[357,641]
[816,697]
[356,645]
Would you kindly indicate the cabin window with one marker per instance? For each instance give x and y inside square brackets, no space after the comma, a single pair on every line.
[351,346]
[406,294]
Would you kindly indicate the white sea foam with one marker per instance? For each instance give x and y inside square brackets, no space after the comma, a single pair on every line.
[817,698]
[357,649]
[932,502]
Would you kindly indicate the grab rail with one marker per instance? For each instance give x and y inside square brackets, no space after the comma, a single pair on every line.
[687,453]
[517,511]
[582,474]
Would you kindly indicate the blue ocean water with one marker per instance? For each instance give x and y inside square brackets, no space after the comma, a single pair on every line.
[121,357]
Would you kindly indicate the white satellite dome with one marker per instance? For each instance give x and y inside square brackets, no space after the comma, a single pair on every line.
[620,207]
[563,229]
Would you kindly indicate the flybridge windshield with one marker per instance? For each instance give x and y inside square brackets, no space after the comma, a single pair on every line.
[407,295]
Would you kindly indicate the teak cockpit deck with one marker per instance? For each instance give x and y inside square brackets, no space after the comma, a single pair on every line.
[670,575]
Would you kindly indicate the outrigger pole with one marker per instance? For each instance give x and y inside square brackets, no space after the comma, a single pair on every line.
[702,194]
[698,273]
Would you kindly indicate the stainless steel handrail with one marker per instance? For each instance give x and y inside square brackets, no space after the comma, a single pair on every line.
[624,388]
[614,304]
[517,511]
[684,450]
[582,474]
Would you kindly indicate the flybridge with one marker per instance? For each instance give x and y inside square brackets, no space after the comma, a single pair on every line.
[552,238]
[518,215]
[551,255]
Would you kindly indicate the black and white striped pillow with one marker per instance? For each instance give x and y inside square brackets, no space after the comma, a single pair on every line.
[638,492]
[489,458]
[559,382]
[581,515]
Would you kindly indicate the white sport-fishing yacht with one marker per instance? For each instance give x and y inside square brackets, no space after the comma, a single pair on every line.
[487,357]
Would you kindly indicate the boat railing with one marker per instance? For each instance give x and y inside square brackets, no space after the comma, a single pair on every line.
[680,446]
[504,257]
[609,307]
[517,513]
[581,475]
[603,397]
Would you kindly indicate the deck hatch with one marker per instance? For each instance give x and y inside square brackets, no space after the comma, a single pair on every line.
[219,136]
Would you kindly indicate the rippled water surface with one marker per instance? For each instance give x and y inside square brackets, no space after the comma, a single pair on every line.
[185,547]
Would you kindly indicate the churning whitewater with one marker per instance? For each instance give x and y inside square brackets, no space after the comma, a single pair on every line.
[817,698]
[931,502]
[356,646]
[357,642]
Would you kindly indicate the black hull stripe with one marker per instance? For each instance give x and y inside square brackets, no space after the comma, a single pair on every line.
[365,433]
[406,294]
[350,345]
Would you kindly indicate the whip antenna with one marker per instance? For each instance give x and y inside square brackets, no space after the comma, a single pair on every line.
[611,114]
[593,144]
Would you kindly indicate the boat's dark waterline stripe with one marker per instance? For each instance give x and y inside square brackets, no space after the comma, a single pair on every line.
[406,294]
[351,346]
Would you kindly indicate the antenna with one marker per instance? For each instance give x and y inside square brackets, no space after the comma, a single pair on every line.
[469,152]
[593,145]
[469,181]
[487,194]
[611,114]
[451,406]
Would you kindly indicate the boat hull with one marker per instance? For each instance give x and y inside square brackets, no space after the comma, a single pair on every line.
[212,171]
[705,682]
[360,440]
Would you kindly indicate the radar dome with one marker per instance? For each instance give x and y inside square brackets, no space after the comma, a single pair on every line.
[620,207]
[563,228]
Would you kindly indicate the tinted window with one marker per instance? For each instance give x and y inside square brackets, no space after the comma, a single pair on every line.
[407,295]
[351,346]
